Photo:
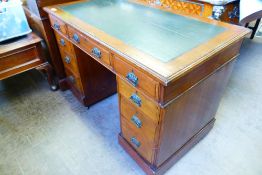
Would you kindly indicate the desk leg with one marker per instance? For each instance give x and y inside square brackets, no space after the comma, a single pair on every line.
[47,69]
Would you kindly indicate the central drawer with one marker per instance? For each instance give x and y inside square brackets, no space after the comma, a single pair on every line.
[90,46]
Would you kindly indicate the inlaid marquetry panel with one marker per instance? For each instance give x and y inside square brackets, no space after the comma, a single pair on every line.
[193,8]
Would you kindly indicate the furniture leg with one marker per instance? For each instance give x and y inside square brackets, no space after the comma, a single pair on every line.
[48,70]
[255,28]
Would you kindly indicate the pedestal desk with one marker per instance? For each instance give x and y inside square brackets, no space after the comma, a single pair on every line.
[170,70]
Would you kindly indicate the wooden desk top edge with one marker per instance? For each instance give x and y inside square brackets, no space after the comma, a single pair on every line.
[164,72]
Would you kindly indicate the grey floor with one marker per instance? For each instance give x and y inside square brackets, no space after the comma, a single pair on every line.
[50,133]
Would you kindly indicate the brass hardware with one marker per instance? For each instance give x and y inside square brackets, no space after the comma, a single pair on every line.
[135,142]
[62,42]
[136,99]
[67,60]
[71,79]
[136,121]
[132,78]
[57,26]
[96,52]
[76,38]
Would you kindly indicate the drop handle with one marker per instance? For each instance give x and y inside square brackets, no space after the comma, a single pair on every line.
[96,52]
[136,99]
[57,26]
[67,60]
[76,38]
[136,121]
[72,79]
[62,42]
[132,78]
[135,142]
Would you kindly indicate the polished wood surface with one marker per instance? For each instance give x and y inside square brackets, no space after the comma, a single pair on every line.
[200,8]
[165,107]
[22,54]
[165,72]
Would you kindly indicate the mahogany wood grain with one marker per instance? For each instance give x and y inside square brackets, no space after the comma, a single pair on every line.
[74,80]
[175,100]
[164,72]
[146,148]
[70,62]
[148,106]
[145,83]
[98,82]
[64,44]
[88,45]
[199,73]
[59,25]
[22,54]
[148,124]
[193,110]
[152,170]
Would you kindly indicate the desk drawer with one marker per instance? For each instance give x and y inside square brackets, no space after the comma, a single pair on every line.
[74,80]
[64,44]
[58,25]
[70,62]
[89,45]
[136,78]
[138,100]
[138,140]
[78,38]
[144,123]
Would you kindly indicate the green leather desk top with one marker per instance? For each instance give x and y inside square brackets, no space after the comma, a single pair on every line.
[158,33]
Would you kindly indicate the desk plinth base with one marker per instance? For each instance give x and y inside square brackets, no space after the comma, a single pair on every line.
[151,169]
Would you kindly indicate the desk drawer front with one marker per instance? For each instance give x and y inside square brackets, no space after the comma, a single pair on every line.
[58,25]
[136,78]
[138,100]
[138,140]
[74,80]
[70,62]
[88,45]
[64,44]
[137,118]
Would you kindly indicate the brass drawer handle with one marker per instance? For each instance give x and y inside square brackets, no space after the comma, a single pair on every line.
[136,121]
[136,99]
[132,78]
[135,142]
[67,60]
[62,42]
[72,79]
[96,52]
[76,38]
[57,26]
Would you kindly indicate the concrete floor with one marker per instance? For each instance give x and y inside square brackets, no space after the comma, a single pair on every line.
[51,133]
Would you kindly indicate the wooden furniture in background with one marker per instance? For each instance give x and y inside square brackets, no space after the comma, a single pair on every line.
[207,8]
[22,54]
[250,10]
[39,22]
[170,78]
